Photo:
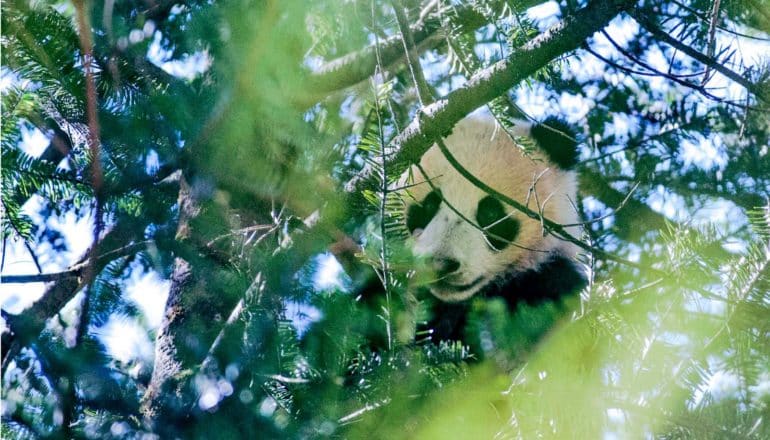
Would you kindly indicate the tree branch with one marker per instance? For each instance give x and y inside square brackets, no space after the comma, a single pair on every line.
[638,217]
[353,68]
[95,150]
[644,19]
[204,285]
[437,120]
[412,60]
[39,278]
[28,325]
[75,270]
[356,67]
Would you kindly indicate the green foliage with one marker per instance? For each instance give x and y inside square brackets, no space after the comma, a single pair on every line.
[229,180]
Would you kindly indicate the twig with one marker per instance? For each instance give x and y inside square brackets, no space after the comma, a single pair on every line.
[77,270]
[284,379]
[208,361]
[423,90]
[384,199]
[26,243]
[703,17]
[712,33]
[5,251]
[635,143]
[678,78]
[618,66]
[356,414]
[32,255]
[644,19]
[611,213]
[253,228]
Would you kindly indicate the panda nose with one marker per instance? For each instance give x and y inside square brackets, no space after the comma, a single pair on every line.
[444,266]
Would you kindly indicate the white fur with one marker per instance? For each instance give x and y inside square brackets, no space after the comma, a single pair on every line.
[489,154]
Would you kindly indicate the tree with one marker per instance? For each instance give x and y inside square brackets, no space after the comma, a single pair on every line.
[232,147]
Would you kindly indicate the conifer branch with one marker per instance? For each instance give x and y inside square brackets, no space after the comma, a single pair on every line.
[437,119]
[27,326]
[355,67]
[648,23]
[77,269]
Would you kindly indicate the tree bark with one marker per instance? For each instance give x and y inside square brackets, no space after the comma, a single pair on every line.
[204,290]
[167,363]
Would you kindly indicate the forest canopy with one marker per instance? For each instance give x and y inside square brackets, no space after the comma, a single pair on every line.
[204,237]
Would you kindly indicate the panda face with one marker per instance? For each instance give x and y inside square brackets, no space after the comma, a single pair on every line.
[478,240]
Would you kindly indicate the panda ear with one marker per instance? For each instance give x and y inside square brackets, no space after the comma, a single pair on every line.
[558,140]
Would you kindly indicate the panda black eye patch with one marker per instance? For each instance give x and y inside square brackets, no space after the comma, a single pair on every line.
[501,229]
[420,214]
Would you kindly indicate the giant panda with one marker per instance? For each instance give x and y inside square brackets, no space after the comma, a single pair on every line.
[474,245]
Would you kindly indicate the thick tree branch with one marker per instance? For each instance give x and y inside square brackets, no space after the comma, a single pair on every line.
[168,360]
[437,119]
[353,68]
[647,22]
[204,286]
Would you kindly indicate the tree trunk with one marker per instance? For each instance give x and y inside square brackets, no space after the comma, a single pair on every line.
[203,292]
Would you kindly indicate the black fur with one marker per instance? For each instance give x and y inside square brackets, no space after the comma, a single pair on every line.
[553,280]
[556,278]
[558,140]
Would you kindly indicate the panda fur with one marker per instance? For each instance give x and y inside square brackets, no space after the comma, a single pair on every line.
[513,258]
